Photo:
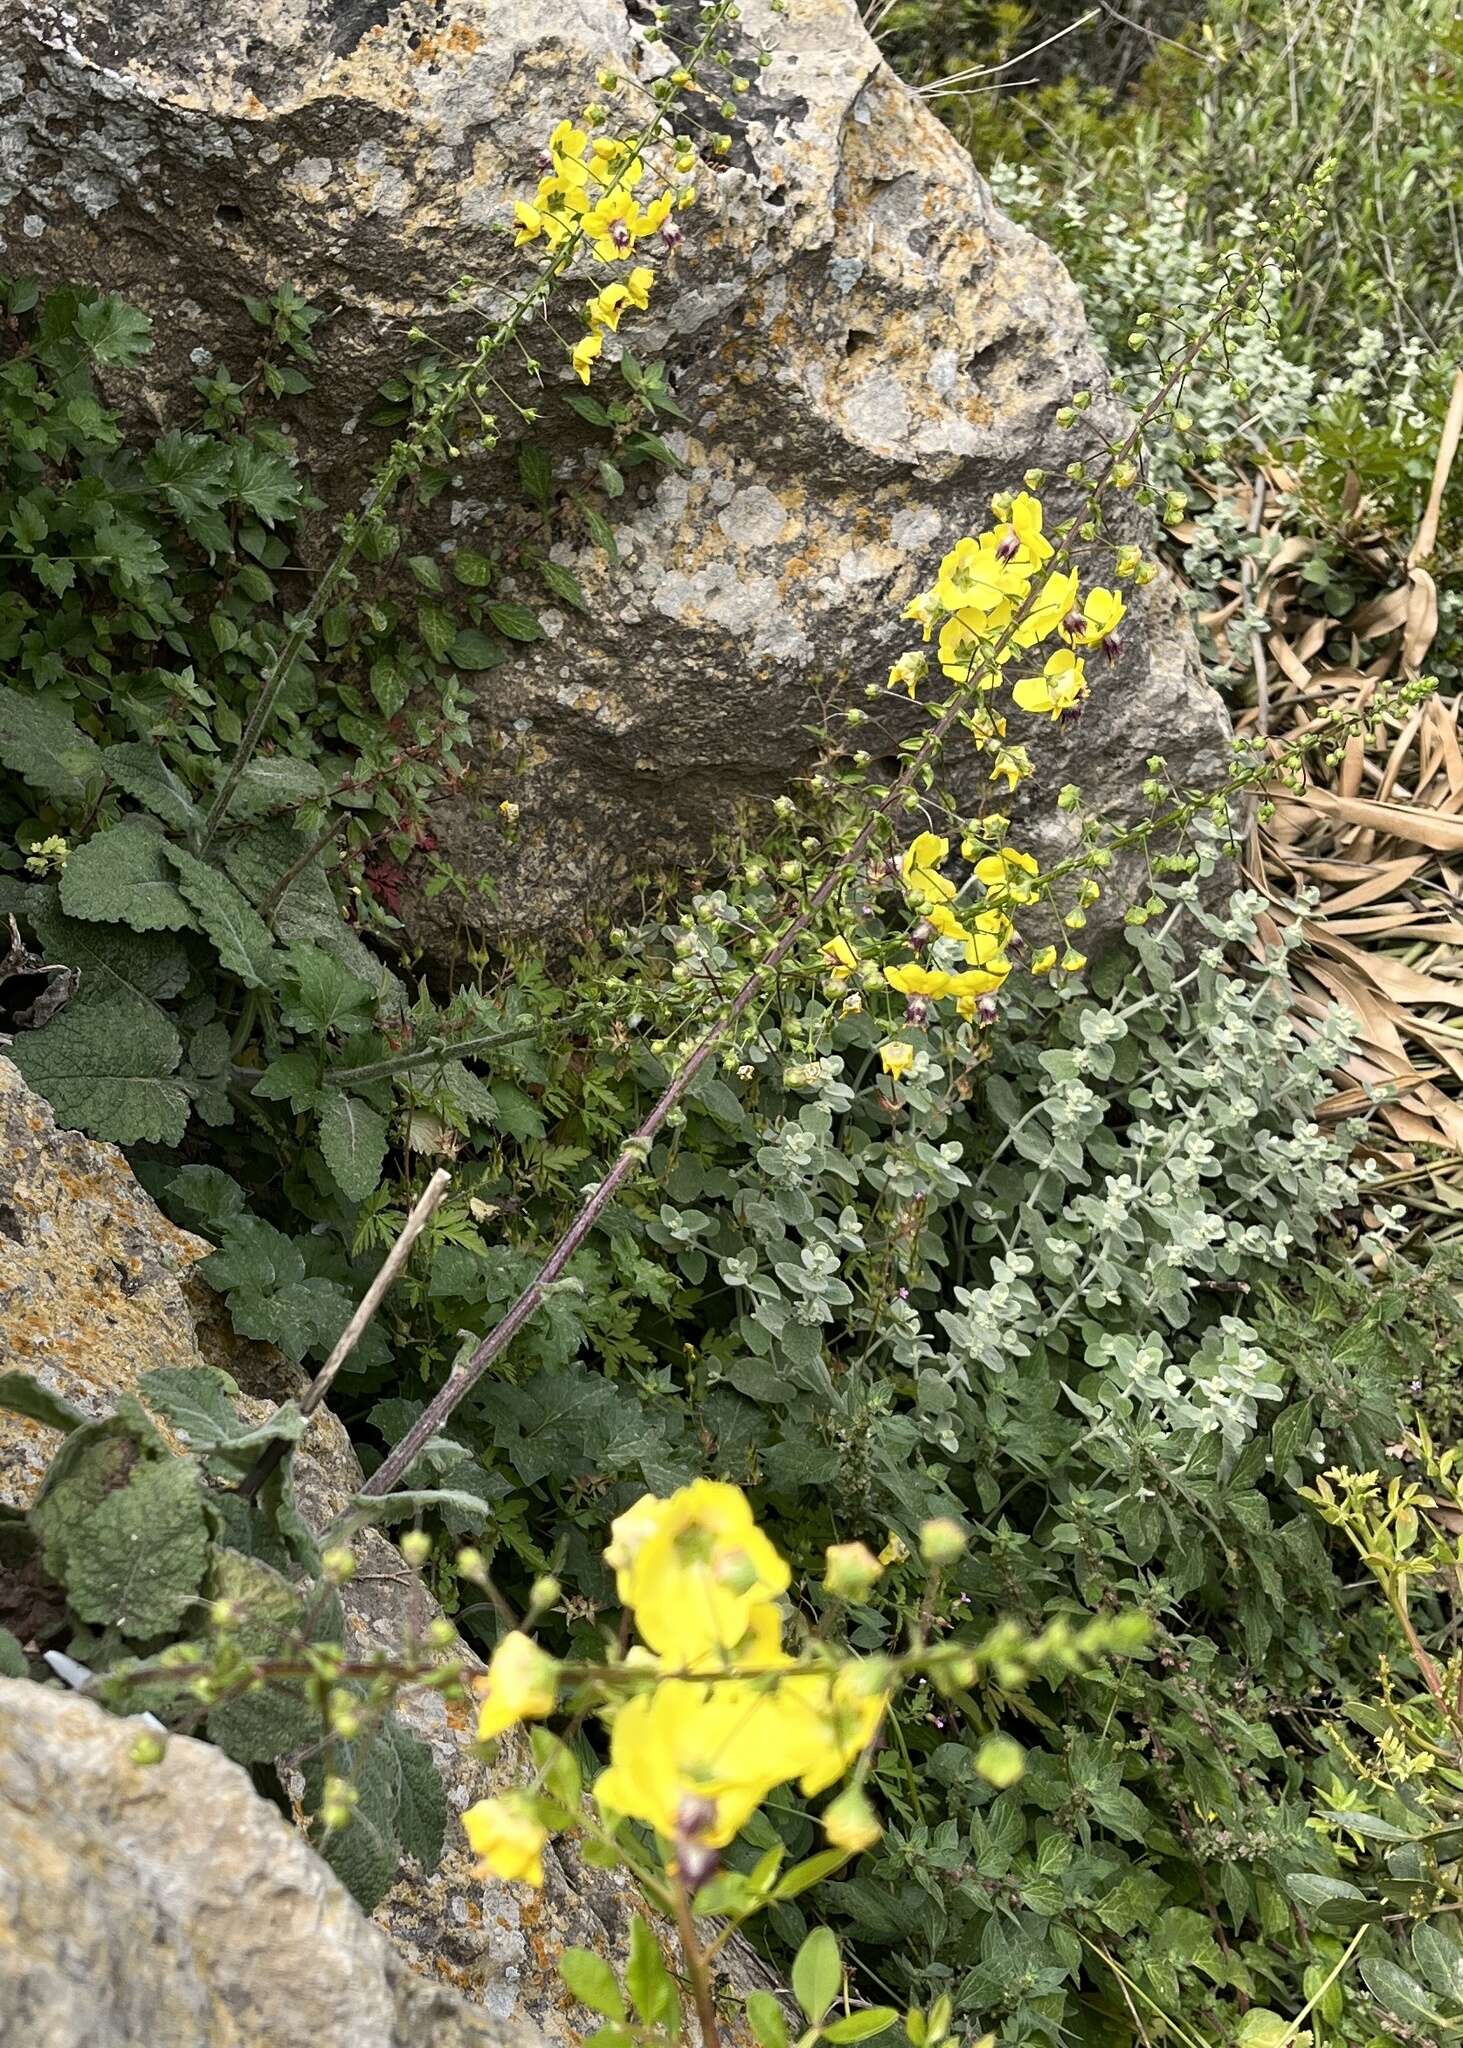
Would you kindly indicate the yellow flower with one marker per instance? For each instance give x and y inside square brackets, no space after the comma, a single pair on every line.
[973,578]
[507,1837]
[584,352]
[1012,765]
[850,1822]
[945,922]
[924,610]
[909,672]
[920,869]
[828,1719]
[963,643]
[913,980]
[605,308]
[1001,874]
[611,159]
[896,1057]
[1061,684]
[1102,612]
[694,1569]
[566,151]
[1073,963]
[1022,533]
[611,225]
[1053,604]
[1044,960]
[521,1684]
[638,284]
[694,1758]
[841,957]
[654,217]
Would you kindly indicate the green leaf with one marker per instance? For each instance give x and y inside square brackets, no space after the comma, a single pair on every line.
[264,482]
[473,569]
[22,1395]
[353,1140]
[646,1977]
[199,1403]
[803,1876]
[142,1553]
[600,530]
[408,1501]
[122,877]
[364,1855]
[115,334]
[240,936]
[588,408]
[557,1767]
[12,1657]
[131,552]
[1399,1993]
[273,782]
[516,621]
[1439,1956]
[42,744]
[592,1981]
[192,473]
[141,771]
[320,996]
[104,1065]
[275,1718]
[563,582]
[817,1974]
[536,474]
[1331,1899]
[862,2026]
[650,447]
[146,965]
[475,650]
[293,1078]
[420,1815]
[766,2019]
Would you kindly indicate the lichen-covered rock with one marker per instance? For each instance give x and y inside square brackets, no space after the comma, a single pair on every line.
[863,346]
[96,1289]
[169,1906]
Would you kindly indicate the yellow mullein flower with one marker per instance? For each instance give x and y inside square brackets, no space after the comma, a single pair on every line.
[842,958]
[896,1057]
[1044,960]
[987,947]
[507,1837]
[521,1684]
[1073,963]
[1020,537]
[612,160]
[604,309]
[963,643]
[973,578]
[1061,684]
[584,352]
[1012,765]
[611,226]
[827,1719]
[1053,604]
[920,868]
[654,217]
[566,152]
[909,672]
[1102,613]
[692,1749]
[925,610]
[911,979]
[533,221]
[945,922]
[1002,876]
[971,982]
[638,284]
[693,1569]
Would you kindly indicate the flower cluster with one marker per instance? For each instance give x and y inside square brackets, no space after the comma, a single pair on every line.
[587,199]
[713,1712]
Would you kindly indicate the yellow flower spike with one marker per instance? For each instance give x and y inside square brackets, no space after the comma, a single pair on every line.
[896,1057]
[1044,960]
[841,957]
[507,1837]
[1062,683]
[584,352]
[694,1569]
[698,1759]
[521,1684]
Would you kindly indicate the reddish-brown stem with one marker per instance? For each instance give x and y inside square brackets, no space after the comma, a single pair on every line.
[696,1968]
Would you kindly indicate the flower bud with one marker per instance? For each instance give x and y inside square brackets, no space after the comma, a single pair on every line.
[416,1546]
[338,1564]
[850,1570]
[850,1822]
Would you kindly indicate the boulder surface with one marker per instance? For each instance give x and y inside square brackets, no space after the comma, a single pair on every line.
[863,347]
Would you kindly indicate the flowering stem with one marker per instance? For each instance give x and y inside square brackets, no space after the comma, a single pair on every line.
[696,1969]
